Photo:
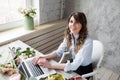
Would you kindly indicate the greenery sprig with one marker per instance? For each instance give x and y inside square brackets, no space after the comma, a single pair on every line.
[27,52]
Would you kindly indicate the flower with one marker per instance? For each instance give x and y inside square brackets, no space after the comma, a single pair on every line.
[27,11]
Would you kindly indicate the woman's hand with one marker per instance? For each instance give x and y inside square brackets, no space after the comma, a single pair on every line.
[44,62]
[48,56]
[36,58]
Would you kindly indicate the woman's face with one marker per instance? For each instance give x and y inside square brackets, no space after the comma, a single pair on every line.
[74,26]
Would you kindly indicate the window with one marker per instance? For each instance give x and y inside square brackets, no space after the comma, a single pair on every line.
[9,15]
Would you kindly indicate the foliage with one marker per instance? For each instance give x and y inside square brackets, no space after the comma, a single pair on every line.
[23,77]
[27,52]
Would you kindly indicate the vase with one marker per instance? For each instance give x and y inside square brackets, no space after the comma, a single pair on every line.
[29,23]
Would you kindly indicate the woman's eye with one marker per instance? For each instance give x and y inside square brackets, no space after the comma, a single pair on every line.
[71,21]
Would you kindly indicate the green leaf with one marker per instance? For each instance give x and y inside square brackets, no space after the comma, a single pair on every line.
[27,51]
[23,77]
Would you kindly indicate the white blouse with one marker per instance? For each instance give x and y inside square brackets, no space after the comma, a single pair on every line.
[82,58]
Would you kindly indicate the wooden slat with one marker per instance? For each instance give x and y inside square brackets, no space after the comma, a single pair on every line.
[54,47]
[49,45]
[37,33]
[55,41]
[45,36]
[43,42]
[48,49]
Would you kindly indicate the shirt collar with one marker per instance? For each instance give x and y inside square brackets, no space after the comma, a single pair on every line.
[75,36]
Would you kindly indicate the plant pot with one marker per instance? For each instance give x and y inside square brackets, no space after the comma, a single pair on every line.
[29,23]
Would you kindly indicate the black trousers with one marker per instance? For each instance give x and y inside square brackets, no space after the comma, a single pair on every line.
[83,69]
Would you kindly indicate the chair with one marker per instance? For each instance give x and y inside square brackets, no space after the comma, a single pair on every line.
[97,56]
[62,58]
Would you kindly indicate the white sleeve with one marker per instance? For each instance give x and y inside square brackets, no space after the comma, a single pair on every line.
[61,48]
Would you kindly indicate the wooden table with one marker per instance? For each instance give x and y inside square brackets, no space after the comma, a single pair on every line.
[106,74]
[6,56]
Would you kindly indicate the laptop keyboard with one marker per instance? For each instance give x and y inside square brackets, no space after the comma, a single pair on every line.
[35,69]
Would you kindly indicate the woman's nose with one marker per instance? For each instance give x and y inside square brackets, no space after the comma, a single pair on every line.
[73,24]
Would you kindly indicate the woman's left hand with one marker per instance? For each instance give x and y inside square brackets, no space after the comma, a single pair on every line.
[44,62]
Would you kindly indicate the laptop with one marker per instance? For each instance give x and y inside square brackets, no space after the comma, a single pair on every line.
[29,69]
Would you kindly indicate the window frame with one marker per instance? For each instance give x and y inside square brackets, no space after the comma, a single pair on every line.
[17,23]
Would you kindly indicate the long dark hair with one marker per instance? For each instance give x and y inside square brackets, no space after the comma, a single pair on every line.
[80,18]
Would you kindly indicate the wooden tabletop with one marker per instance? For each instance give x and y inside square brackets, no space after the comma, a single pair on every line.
[6,56]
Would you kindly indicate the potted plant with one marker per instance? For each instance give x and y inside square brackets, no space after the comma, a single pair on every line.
[28,13]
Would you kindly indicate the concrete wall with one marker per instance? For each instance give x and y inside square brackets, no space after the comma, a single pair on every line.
[70,6]
[103,24]
[50,10]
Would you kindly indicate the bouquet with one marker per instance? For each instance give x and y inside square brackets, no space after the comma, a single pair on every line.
[28,11]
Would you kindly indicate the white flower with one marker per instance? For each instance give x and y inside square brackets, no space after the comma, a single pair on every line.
[28,12]
[31,14]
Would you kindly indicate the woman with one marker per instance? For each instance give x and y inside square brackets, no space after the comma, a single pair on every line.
[77,42]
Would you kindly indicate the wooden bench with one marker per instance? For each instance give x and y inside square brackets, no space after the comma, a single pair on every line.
[45,38]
